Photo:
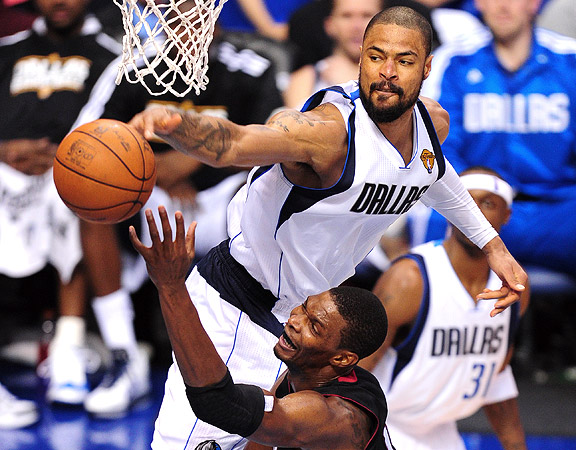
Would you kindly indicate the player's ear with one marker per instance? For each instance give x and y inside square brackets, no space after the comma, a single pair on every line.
[344,358]
[507,218]
[428,66]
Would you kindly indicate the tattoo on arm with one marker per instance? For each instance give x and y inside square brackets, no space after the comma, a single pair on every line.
[294,116]
[199,133]
[360,425]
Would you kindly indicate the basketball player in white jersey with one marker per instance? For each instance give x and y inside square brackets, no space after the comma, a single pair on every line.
[444,357]
[328,183]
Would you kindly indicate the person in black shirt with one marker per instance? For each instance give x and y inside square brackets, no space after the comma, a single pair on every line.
[46,76]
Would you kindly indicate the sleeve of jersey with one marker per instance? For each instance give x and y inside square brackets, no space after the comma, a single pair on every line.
[450,198]
[503,387]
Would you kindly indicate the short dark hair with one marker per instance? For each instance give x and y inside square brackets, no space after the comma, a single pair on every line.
[407,18]
[366,319]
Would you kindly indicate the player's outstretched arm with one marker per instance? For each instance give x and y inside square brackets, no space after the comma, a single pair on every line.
[168,262]
[514,278]
[289,136]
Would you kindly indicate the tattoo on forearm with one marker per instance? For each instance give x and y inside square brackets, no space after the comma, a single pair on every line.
[199,133]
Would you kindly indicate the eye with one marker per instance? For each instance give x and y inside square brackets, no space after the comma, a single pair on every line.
[488,204]
[314,327]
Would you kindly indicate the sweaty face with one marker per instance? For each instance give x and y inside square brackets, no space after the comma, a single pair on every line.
[392,68]
[312,334]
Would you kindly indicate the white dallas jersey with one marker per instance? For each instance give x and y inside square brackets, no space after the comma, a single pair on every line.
[443,370]
[298,241]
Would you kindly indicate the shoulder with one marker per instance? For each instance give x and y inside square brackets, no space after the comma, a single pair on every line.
[402,282]
[452,58]
[467,45]
[440,117]
[555,42]
[405,271]
[13,39]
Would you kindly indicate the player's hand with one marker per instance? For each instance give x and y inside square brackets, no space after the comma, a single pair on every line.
[513,277]
[168,262]
[156,121]
[29,156]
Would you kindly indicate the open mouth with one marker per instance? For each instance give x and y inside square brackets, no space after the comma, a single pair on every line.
[287,342]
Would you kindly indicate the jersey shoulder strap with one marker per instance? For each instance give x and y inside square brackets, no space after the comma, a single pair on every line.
[433,138]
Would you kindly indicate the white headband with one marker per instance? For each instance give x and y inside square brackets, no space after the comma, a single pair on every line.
[489,183]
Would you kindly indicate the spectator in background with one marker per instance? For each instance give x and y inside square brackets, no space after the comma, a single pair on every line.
[46,76]
[309,42]
[512,103]
[243,89]
[444,357]
[345,26]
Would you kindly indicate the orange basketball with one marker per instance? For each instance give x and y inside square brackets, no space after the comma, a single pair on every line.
[104,171]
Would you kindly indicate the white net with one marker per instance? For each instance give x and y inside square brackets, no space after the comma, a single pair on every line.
[165,46]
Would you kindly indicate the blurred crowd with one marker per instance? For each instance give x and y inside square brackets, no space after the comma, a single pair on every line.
[79,294]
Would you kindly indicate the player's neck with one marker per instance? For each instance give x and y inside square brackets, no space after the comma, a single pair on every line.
[469,264]
[513,53]
[309,380]
[400,134]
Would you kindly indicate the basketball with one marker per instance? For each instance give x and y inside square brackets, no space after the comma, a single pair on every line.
[104,171]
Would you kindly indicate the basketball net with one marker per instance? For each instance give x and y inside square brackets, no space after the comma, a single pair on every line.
[166,41]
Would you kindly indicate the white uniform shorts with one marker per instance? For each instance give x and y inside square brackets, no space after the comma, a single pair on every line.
[247,350]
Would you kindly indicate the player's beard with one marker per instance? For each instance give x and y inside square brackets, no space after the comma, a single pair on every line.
[387,114]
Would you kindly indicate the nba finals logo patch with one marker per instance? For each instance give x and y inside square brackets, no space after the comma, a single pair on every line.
[428,158]
[208,445]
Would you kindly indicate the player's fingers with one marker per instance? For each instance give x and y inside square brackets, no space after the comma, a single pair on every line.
[190,240]
[488,294]
[504,303]
[166,227]
[180,237]
[136,242]
[512,297]
[152,228]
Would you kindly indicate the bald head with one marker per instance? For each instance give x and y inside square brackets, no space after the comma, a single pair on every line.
[407,18]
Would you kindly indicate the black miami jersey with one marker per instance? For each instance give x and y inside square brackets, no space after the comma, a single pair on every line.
[361,389]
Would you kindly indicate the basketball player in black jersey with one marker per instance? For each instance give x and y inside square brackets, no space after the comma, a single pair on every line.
[323,400]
